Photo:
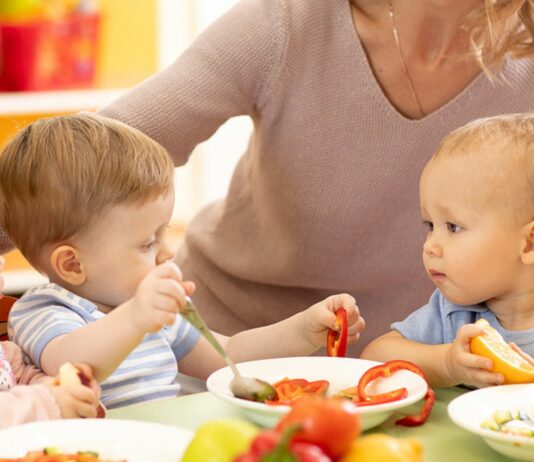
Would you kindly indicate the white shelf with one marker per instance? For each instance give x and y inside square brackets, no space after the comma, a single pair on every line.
[19,281]
[51,102]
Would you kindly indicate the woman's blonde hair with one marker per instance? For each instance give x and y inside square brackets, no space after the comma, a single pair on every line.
[59,174]
[499,28]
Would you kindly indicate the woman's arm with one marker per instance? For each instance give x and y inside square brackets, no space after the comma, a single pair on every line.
[226,72]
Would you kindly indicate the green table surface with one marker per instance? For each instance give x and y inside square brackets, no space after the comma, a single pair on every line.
[443,441]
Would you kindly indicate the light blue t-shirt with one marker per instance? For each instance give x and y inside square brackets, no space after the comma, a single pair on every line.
[438,321]
[148,372]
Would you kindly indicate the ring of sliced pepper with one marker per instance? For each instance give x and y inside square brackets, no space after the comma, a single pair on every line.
[385,370]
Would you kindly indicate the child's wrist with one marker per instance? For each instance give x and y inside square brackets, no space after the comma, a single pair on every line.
[130,308]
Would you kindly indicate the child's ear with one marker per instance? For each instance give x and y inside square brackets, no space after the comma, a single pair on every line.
[66,262]
[527,244]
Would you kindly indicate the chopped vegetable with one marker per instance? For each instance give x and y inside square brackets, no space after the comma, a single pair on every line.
[336,340]
[289,390]
[519,422]
[385,370]
[52,454]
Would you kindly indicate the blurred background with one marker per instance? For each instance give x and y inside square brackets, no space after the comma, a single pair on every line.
[62,56]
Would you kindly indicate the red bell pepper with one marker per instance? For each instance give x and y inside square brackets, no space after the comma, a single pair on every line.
[289,390]
[381,398]
[336,340]
[421,418]
[273,446]
[386,370]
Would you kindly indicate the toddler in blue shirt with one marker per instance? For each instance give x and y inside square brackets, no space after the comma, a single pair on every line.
[477,201]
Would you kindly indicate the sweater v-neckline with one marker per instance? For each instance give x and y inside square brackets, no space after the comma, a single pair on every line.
[360,56]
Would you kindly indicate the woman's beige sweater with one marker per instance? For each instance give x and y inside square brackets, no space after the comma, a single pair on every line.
[325,198]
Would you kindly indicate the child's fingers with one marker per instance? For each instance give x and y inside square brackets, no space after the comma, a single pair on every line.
[340,301]
[83,394]
[529,359]
[356,327]
[174,292]
[189,287]
[484,378]
[169,269]
[472,361]
[86,410]
[467,332]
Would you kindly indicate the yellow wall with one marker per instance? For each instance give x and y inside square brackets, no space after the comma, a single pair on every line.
[128,54]
[128,51]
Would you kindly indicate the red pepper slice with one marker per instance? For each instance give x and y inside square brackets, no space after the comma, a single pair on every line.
[336,340]
[381,398]
[387,369]
[421,418]
[289,390]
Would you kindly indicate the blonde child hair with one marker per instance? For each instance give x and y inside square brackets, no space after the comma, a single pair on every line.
[505,144]
[60,174]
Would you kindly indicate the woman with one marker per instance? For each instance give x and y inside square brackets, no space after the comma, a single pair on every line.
[349,100]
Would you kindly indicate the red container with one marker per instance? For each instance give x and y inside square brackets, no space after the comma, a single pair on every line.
[48,55]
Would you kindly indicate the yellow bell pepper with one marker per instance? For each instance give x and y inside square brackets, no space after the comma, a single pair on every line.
[384,448]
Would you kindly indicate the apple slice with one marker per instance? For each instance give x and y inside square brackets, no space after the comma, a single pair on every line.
[71,375]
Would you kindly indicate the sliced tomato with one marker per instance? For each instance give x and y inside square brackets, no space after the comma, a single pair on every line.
[336,340]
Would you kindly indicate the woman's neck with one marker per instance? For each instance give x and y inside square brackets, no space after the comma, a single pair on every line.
[430,29]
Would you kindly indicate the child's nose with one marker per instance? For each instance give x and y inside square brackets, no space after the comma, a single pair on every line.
[432,248]
[167,252]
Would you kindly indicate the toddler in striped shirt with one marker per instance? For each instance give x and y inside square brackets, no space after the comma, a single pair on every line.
[88,201]
[27,395]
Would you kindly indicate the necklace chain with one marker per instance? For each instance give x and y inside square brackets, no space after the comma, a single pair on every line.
[401,58]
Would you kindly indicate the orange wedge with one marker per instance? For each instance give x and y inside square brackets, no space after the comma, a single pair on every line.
[505,360]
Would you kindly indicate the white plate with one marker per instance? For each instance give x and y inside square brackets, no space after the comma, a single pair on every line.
[340,372]
[134,441]
[470,409]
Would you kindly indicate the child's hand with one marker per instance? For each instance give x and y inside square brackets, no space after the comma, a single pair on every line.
[74,400]
[529,359]
[321,317]
[159,297]
[467,368]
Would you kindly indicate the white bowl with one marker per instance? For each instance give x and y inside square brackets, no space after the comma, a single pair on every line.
[134,441]
[340,372]
[470,409]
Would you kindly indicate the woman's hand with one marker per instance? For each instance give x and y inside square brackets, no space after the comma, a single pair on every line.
[467,368]
[321,317]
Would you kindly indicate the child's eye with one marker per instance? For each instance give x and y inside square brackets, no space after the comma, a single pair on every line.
[429,225]
[453,228]
[149,245]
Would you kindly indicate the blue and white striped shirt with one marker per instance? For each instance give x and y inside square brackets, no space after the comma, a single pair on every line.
[149,372]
